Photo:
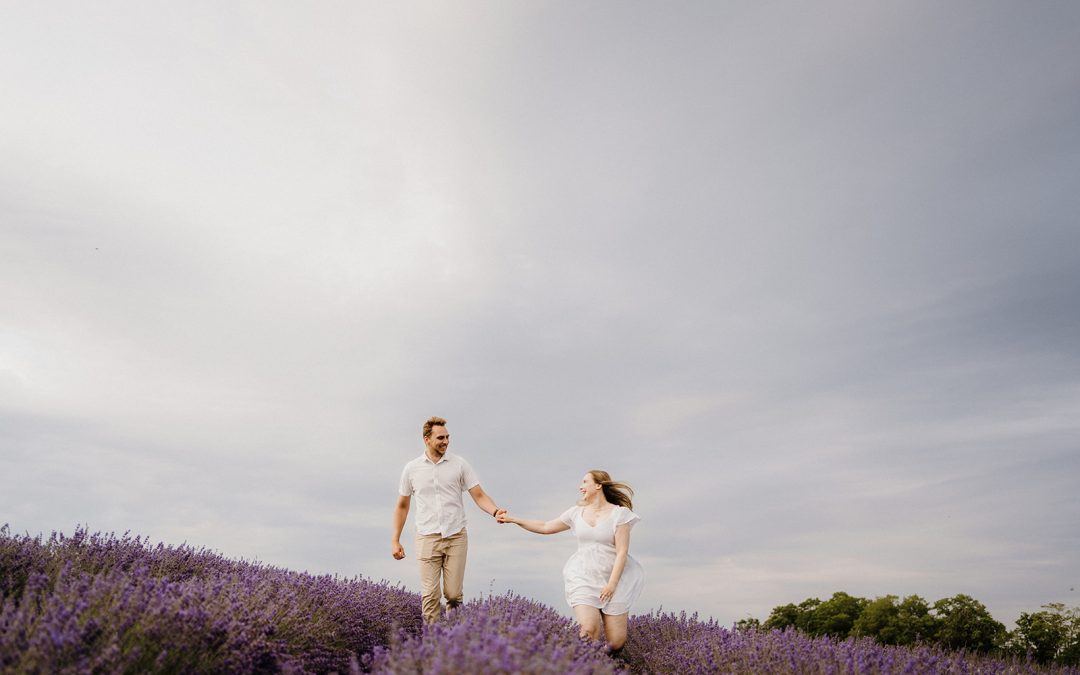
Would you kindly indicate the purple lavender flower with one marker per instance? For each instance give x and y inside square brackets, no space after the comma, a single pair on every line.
[103,603]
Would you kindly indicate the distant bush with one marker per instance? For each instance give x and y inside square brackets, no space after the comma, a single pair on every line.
[961,622]
[1051,635]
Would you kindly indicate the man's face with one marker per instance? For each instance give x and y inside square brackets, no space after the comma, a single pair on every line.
[438,441]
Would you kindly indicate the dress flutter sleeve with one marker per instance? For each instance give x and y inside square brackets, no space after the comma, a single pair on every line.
[568,515]
[626,517]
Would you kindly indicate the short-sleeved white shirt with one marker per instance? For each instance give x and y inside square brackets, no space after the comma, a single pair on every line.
[437,489]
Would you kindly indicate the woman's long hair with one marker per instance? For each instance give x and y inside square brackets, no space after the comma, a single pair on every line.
[615,492]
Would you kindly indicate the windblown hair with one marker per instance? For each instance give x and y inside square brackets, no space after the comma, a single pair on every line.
[615,492]
[433,422]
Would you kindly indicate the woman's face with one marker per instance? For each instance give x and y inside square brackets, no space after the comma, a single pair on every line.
[588,485]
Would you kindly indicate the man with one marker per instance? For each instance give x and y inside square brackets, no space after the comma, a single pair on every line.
[438,479]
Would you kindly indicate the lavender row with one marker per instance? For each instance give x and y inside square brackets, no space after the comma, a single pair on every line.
[499,635]
[102,603]
[670,643]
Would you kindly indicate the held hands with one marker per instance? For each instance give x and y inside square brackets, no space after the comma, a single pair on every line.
[398,551]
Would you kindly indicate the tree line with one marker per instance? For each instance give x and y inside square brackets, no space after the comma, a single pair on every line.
[1050,635]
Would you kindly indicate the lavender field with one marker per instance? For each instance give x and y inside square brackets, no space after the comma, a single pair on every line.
[107,603]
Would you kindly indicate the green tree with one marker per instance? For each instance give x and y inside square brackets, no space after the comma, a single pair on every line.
[1051,635]
[790,615]
[916,623]
[880,620]
[892,622]
[1069,654]
[806,613]
[836,616]
[781,617]
[965,623]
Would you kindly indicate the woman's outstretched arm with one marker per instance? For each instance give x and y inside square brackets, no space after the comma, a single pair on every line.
[537,526]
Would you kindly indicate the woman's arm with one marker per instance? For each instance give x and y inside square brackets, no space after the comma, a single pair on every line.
[622,549]
[537,526]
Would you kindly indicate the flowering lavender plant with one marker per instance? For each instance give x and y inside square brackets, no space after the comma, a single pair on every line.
[670,643]
[499,635]
[103,603]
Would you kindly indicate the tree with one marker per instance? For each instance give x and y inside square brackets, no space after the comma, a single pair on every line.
[806,611]
[896,623]
[1069,654]
[790,615]
[1051,635]
[781,617]
[836,616]
[880,619]
[965,623]
[916,623]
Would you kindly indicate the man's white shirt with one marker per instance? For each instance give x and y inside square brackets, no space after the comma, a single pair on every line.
[436,489]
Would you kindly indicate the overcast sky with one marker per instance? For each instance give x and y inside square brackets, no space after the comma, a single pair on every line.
[804,274]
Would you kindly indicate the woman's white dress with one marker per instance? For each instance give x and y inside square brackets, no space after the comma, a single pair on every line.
[588,570]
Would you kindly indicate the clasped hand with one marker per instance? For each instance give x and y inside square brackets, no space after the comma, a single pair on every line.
[398,551]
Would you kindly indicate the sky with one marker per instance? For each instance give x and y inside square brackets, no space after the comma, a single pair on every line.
[804,274]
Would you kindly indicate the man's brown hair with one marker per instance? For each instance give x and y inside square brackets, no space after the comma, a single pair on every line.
[433,422]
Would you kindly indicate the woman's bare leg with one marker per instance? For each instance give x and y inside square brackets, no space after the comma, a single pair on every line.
[588,619]
[615,630]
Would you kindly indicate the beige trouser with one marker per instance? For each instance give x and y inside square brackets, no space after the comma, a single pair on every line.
[441,557]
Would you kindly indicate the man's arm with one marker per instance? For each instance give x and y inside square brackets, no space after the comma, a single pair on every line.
[486,504]
[401,513]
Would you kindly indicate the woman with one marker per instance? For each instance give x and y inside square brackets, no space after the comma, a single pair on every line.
[601,579]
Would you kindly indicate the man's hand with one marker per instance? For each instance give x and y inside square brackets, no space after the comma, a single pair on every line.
[498,515]
[401,512]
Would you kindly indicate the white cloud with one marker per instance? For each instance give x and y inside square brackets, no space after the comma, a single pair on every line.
[803,277]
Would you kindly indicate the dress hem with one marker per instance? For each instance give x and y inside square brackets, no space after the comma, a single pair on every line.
[587,604]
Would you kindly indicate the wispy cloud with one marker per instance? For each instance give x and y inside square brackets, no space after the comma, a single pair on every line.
[804,276]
